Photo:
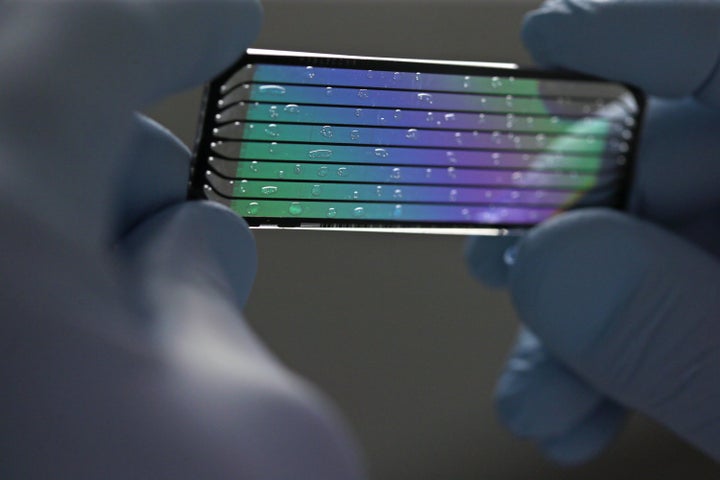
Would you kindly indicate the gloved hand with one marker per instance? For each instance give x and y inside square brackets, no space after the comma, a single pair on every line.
[125,354]
[622,309]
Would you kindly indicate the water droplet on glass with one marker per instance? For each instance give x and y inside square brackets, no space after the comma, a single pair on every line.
[515,195]
[272,89]
[379,191]
[517,176]
[363,93]
[450,117]
[342,172]
[481,118]
[395,173]
[396,76]
[381,153]
[429,117]
[328,91]
[310,72]
[397,211]
[292,108]
[466,82]
[397,194]
[315,191]
[554,119]
[397,114]
[355,134]
[272,130]
[424,98]
[370,74]
[356,195]
[428,172]
[358,112]
[269,190]
[489,217]
[451,172]
[381,119]
[451,157]
[272,146]
[295,208]
[273,112]
[465,212]
[326,131]
[496,138]
[411,133]
[254,166]
[243,186]
[540,139]
[321,153]
[509,120]
[298,169]
[453,195]
[417,76]
[331,213]
[509,101]
[253,208]
[281,173]
[458,138]
[322,171]
[495,82]
[359,212]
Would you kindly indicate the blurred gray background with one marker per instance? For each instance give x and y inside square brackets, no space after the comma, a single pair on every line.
[392,327]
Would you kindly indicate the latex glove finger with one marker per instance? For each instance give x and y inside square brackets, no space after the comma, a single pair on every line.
[589,438]
[668,48]
[74,71]
[485,257]
[198,245]
[677,173]
[194,265]
[153,176]
[632,309]
[539,398]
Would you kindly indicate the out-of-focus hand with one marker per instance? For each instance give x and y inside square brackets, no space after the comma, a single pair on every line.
[622,310]
[125,354]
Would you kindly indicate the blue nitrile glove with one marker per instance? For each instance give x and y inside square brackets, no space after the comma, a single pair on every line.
[124,350]
[624,308]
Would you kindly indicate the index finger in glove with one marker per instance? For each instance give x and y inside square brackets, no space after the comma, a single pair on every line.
[668,48]
[632,310]
[74,71]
